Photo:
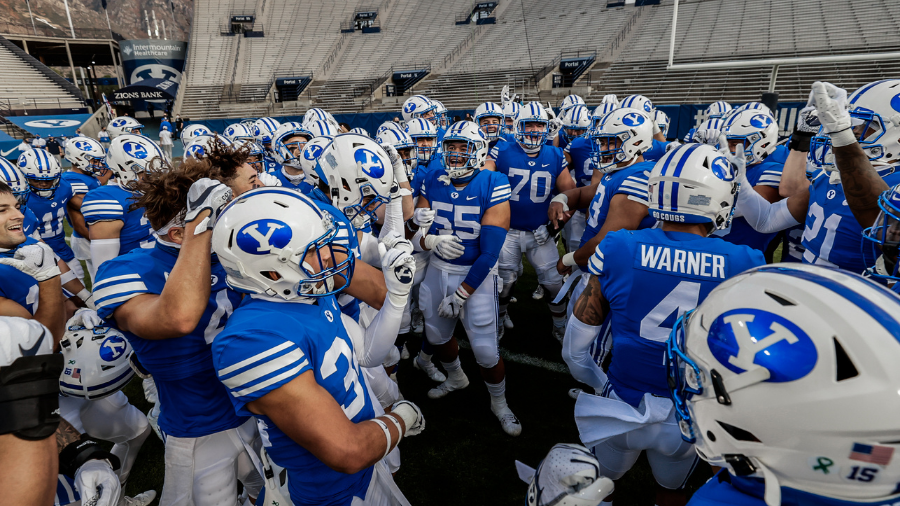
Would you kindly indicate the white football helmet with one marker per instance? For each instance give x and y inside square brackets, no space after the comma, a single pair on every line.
[441,116]
[123,125]
[610,99]
[569,102]
[310,157]
[130,155]
[86,154]
[263,238]
[820,153]
[405,147]
[531,113]
[621,136]
[200,145]
[717,109]
[191,131]
[568,476]
[97,362]
[263,128]
[388,125]
[424,134]
[600,111]
[359,175]
[693,183]
[15,179]
[360,131]
[788,372]
[662,120]
[256,152]
[510,111]
[708,132]
[321,128]
[41,167]
[756,130]
[238,132]
[316,114]
[284,151]
[876,107]
[461,164]
[418,106]
[638,102]
[754,106]
[576,121]
[489,110]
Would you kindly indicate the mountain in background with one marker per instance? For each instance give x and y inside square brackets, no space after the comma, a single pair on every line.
[126,17]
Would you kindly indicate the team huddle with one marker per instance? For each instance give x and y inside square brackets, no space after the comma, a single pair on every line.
[265,288]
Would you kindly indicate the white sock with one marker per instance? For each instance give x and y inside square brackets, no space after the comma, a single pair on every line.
[424,357]
[454,370]
[498,394]
[559,321]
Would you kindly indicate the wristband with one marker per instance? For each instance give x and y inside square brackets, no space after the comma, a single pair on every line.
[843,138]
[569,260]
[397,423]
[462,293]
[66,277]
[387,435]
[78,452]
[562,199]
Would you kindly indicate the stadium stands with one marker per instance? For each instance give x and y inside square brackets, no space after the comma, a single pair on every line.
[24,86]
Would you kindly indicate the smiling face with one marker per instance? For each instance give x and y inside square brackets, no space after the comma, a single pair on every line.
[11,218]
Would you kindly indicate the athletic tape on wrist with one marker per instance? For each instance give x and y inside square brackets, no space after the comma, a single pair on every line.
[387,435]
[397,423]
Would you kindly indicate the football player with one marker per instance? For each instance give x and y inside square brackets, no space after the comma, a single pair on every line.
[262,129]
[291,358]
[717,110]
[170,302]
[642,103]
[568,475]
[424,134]
[817,347]
[287,144]
[124,125]
[536,171]
[13,177]
[489,118]
[89,171]
[471,220]
[418,106]
[692,192]
[191,132]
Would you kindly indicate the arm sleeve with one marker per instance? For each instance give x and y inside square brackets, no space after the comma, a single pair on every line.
[95,210]
[762,215]
[380,334]
[114,287]
[635,187]
[491,241]
[101,251]
[393,218]
[576,353]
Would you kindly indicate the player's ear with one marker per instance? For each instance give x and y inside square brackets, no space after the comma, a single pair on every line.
[176,235]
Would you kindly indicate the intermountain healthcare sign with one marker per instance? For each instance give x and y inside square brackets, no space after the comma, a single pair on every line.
[151,60]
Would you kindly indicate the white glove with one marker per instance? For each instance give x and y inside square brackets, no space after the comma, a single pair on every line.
[656,129]
[505,98]
[268,179]
[541,235]
[98,484]
[424,217]
[556,124]
[672,145]
[395,240]
[831,104]
[449,247]
[397,163]
[610,99]
[399,269]
[86,318]
[206,194]
[411,415]
[738,160]
[37,260]
[453,303]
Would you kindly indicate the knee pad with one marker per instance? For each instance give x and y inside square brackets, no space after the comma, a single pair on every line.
[509,280]
[486,352]
[113,419]
[548,276]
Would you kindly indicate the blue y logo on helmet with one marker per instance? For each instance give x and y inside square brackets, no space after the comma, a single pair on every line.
[409,108]
[260,237]
[84,146]
[369,162]
[112,348]
[761,120]
[895,102]
[721,168]
[742,339]
[118,123]
[633,119]
[312,152]
[135,150]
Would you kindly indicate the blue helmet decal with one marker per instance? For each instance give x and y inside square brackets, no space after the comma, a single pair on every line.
[410,107]
[633,119]
[761,120]
[135,150]
[369,162]
[260,237]
[112,348]
[118,123]
[895,102]
[84,146]
[196,150]
[742,339]
[721,168]
[312,152]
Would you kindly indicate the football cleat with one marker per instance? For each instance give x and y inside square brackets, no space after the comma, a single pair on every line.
[432,371]
[507,321]
[142,499]
[559,333]
[448,386]
[575,392]
[538,293]
[404,353]
[508,420]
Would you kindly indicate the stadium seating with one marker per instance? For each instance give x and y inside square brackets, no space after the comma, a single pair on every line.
[22,86]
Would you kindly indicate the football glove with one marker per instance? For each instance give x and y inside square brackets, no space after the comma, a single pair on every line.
[542,235]
[206,195]
[610,99]
[86,318]
[672,145]
[453,303]
[411,415]
[97,483]
[424,217]
[397,163]
[268,179]
[449,247]
[808,121]
[395,240]
[505,98]
[738,160]
[831,104]
[37,260]
[556,124]
[399,269]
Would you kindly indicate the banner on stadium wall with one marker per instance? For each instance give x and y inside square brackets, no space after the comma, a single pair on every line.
[152,59]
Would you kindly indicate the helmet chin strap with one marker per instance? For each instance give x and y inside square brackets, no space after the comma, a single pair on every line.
[773,488]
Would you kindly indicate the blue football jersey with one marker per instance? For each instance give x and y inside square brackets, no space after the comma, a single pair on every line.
[17,286]
[81,184]
[30,224]
[723,489]
[66,492]
[767,173]
[792,244]
[286,182]
[581,167]
[51,213]
[532,180]
[630,181]
[650,277]
[272,167]
[459,212]
[112,202]
[192,401]
[656,151]
[267,344]
[831,235]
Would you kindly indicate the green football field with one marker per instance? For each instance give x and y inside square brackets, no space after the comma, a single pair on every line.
[463,457]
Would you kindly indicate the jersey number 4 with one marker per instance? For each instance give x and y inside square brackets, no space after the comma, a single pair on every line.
[682,298]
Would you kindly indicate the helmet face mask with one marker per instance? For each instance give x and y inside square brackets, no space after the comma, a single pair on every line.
[532,126]
[42,172]
[620,137]
[405,146]
[464,150]
[576,121]
[756,130]
[881,241]
[13,177]
[424,136]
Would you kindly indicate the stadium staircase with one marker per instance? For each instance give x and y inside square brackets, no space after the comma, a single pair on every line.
[26,84]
